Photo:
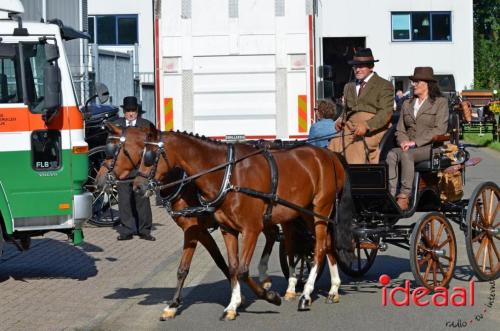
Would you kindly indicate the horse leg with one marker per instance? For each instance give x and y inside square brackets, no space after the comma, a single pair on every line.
[209,243]
[190,242]
[333,294]
[270,232]
[247,250]
[290,293]
[320,230]
[231,241]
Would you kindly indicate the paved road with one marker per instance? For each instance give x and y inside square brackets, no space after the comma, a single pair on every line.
[110,285]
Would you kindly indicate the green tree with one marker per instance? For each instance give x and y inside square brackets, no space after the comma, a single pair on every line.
[486,44]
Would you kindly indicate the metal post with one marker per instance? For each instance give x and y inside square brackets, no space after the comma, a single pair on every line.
[95,62]
[86,88]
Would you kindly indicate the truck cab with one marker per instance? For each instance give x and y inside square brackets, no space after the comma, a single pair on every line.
[43,153]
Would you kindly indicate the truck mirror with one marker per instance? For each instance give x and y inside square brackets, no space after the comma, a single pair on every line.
[102,92]
[52,91]
[51,52]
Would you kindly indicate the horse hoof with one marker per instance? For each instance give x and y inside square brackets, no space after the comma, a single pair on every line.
[168,313]
[333,298]
[304,304]
[267,283]
[290,296]
[230,315]
[274,298]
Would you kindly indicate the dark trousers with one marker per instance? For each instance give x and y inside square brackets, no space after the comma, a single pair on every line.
[135,211]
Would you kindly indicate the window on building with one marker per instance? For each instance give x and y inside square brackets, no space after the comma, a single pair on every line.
[113,29]
[421,26]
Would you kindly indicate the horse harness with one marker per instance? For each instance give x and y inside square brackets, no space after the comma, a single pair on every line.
[113,150]
[151,159]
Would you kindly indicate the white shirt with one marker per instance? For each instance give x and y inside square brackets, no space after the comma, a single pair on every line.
[131,123]
[358,86]
[417,105]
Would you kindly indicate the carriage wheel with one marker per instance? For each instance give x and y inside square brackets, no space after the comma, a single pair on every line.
[483,234]
[433,251]
[365,254]
[104,203]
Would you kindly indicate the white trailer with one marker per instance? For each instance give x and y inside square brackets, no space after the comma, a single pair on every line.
[229,67]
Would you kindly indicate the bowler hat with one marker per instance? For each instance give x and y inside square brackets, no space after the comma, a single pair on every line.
[130,104]
[363,56]
[423,73]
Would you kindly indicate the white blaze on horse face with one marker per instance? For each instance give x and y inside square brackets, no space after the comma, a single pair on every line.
[334,277]
[264,261]
[235,298]
[309,287]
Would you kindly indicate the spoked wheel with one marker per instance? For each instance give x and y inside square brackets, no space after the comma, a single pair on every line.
[433,251]
[483,234]
[303,259]
[365,253]
[105,202]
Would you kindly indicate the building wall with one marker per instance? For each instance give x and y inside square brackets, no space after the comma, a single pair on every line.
[68,11]
[144,10]
[372,19]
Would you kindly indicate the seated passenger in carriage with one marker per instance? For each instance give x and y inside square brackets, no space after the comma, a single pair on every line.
[325,125]
[422,117]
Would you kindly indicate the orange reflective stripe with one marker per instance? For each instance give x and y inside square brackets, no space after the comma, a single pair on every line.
[21,119]
[302,113]
[168,104]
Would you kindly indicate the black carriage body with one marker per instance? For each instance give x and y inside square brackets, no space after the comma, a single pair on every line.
[95,134]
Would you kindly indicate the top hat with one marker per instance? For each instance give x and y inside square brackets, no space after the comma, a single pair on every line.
[363,56]
[423,73]
[130,104]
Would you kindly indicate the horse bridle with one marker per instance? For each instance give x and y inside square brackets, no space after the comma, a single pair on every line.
[113,150]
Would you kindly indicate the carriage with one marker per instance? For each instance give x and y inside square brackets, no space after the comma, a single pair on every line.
[431,240]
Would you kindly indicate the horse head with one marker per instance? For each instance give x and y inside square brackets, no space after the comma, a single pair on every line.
[124,149]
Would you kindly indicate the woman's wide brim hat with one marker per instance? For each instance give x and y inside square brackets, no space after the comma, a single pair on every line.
[363,56]
[423,73]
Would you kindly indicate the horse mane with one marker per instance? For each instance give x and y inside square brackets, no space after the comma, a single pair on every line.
[198,137]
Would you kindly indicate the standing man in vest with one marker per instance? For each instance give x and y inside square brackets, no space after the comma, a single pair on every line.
[135,209]
[368,110]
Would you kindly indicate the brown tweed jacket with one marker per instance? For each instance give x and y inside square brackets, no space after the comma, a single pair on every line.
[377,98]
[431,120]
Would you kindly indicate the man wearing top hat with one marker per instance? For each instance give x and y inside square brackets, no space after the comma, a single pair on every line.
[368,110]
[135,209]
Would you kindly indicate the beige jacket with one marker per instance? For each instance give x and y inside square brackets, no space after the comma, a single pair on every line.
[432,120]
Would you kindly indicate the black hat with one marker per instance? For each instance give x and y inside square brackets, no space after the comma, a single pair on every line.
[130,104]
[363,56]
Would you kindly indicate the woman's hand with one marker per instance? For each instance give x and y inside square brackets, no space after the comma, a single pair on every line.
[406,145]
[338,124]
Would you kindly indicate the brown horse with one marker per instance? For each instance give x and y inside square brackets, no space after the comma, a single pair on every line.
[309,177]
[124,160]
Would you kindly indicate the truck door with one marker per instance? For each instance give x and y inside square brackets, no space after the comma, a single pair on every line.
[35,155]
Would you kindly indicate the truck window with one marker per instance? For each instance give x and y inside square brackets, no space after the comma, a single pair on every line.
[34,63]
[10,86]
[11,80]
[46,149]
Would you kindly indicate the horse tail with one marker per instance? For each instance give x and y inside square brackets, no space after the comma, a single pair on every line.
[343,216]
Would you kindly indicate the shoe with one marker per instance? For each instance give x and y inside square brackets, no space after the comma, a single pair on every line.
[402,201]
[147,237]
[125,237]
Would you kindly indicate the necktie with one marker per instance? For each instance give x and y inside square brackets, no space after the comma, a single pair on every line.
[361,87]
[130,123]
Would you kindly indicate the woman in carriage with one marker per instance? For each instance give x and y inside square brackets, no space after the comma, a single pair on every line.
[422,117]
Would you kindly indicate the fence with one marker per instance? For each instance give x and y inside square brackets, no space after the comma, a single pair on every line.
[116,71]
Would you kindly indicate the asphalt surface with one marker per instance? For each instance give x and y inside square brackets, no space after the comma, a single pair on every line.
[109,285]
